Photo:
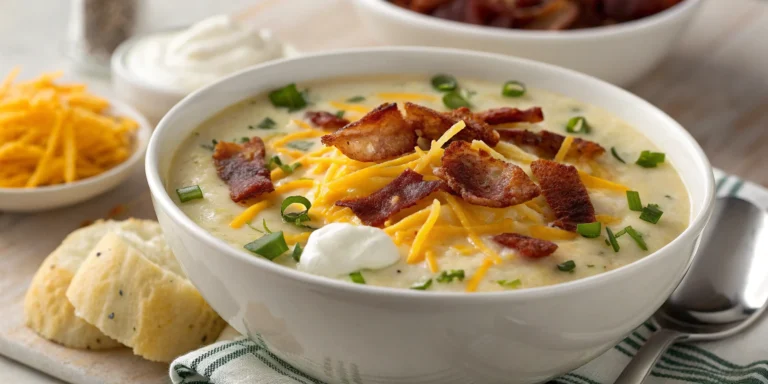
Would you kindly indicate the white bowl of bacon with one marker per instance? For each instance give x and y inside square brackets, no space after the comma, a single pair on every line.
[386,335]
[618,51]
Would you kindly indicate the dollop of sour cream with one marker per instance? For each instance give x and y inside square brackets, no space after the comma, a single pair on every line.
[339,249]
[202,54]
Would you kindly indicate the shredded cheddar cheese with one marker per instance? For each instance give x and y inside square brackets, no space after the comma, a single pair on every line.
[598,183]
[564,148]
[549,233]
[478,145]
[432,261]
[416,255]
[406,96]
[349,107]
[479,274]
[57,133]
[249,214]
[608,219]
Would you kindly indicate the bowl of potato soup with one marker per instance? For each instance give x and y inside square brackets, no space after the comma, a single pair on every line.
[423,215]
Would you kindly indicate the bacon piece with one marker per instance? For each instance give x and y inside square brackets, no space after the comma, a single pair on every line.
[527,246]
[381,134]
[326,120]
[505,115]
[546,144]
[243,168]
[482,180]
[565,193]
[431,124]
[403,192]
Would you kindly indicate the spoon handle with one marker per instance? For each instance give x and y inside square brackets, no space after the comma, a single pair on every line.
[643,362]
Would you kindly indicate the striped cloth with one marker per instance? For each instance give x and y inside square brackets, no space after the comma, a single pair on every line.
[742,359]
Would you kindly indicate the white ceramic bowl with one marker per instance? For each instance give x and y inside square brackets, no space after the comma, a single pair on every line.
[332,329]
[62,195]
[620,54]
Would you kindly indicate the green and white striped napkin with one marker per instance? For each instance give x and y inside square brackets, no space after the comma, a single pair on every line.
[742,359]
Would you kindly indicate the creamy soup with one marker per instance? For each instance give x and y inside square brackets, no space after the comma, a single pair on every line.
[457,251]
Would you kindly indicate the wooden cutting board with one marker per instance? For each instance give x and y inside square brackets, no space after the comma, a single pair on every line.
[25,241]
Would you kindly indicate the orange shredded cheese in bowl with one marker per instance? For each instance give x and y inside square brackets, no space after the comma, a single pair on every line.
[60,144]
[53,133]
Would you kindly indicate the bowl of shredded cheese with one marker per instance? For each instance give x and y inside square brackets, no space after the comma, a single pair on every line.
[60,144]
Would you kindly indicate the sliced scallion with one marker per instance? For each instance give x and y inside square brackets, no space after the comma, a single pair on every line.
[340,114]
[267,123]
[513,88]
[637,237]
[633,199]
[612,240]
[650,159]
[448,276]
[578,124]
[454,100]
[423,286]
[275,162]
[567,266]
[516,283]
[295,217]
[444,83]
[619,234]
[355,99]
[288,97]
[616,155]
[296,254]
[357,277]
[589,230]
[264,224]
[301,145]
[651,213]
[191,192]
[269,246]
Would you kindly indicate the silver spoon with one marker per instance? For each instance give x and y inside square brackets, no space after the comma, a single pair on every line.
[724,291]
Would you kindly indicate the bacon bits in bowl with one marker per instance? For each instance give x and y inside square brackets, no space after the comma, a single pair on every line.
[616,40]
[60,145]
[493,219]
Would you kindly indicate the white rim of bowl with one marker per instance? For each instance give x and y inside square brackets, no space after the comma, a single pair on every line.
[142,137]
[450,26]
[162,197]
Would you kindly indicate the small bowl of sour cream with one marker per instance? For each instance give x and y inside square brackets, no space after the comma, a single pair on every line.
[154,72]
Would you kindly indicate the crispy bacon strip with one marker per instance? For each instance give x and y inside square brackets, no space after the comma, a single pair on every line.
[482,180]
[403,192]
[431,124]
[504,115]
[381,134]
[527,246]
[565,193]
[326,120]
[545,144]
[243,168]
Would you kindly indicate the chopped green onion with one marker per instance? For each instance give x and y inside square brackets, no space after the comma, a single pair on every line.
[638,238]
[513,88]
[516,283]
[357,278]
[191,192]
[269,246]
[295,217]
[454,100]
[567,266]
[211,146]
[356,99]
[244,140]
[616,155]
[297,250]
[578,124]
[444,83]
[275,162]
[589,230]
[612,240]
[254,228]
[267,123]
[633,198]
[590,265]
[619,234]
[651,213]
[264,224]
[422,286]
[448,276]
[301,145]
[288,97]
[650,159]
[340,114]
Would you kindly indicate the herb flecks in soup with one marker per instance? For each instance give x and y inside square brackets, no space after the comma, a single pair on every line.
[439,184]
